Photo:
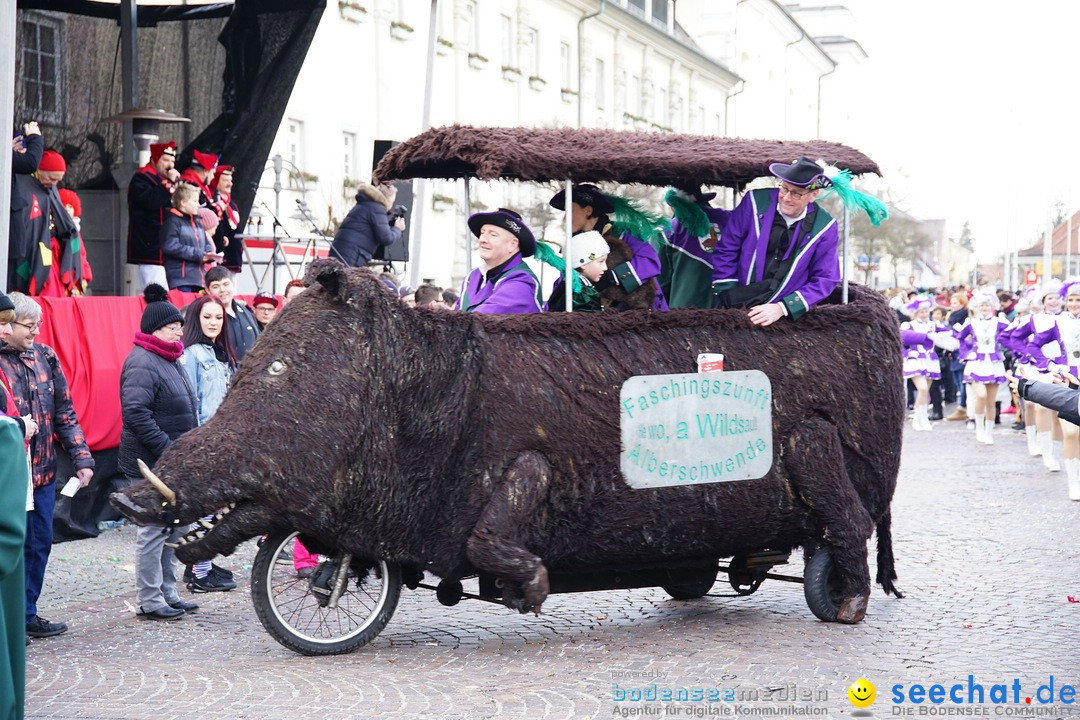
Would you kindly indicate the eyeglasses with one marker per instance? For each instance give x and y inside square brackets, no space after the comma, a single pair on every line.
[785,190]
[36,327]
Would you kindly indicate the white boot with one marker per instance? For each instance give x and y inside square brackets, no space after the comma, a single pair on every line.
[980,428]
[1032,441]
[1046,444]
[1072,469]
[925,416]
[1051,453]
[1057,449]
[988,432]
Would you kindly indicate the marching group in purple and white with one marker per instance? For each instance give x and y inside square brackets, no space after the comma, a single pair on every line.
[1042,345]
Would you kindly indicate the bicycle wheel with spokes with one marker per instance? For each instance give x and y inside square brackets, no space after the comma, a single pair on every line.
[294,609]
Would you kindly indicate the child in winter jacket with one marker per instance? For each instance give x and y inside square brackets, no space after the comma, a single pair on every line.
[185,245]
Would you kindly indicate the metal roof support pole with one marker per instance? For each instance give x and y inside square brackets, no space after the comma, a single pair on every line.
[568,280]
[129,72]
[468,232]
[844,268]
[7,116]
[1068,250]
[420,189]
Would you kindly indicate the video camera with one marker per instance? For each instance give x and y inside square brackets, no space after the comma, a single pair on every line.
[398,211]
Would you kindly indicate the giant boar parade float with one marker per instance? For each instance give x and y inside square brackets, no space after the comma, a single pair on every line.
[552,452]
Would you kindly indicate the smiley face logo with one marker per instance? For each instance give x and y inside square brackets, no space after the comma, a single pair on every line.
[862,693]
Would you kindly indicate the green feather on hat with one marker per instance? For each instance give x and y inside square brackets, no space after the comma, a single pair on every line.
[688,212]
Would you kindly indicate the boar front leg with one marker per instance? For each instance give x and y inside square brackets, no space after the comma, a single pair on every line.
[814,459]
[497,545]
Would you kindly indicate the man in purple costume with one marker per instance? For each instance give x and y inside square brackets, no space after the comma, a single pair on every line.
[589,210]
[504,284]
[778,254]
[686,251]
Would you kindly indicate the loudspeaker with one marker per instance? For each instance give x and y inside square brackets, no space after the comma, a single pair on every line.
[399,251]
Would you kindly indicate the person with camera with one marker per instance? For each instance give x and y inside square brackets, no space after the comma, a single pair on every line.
[372,223]
[26,149]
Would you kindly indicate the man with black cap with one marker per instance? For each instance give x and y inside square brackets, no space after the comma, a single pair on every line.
[149,201]
[504,283]
[777,255]
[631,281]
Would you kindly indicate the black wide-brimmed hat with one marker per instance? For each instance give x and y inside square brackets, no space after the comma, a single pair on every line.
[584,195]
[804,172]
[511,222]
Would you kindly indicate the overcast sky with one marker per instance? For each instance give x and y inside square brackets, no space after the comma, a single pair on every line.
[978,109]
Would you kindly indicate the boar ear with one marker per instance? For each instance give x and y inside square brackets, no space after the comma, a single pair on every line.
[330,274]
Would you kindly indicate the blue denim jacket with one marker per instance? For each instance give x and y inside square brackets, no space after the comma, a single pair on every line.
[209,376]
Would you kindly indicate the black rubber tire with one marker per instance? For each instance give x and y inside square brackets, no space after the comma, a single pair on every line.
[694,588]
[819,585]
[279,596]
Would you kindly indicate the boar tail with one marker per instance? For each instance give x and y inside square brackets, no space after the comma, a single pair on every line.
[886,564]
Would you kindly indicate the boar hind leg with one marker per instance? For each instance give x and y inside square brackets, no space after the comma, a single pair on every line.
[814,460]
[496,545]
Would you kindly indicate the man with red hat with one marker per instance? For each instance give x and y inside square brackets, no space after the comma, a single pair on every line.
[199,173]
[149,201]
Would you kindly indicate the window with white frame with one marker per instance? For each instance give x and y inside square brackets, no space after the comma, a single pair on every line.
[530,54]
[634,101]
[42,61]
[472,27]
[506,25]
[565,68]
[660,12]
[600,83]
[348,158]
[294,143]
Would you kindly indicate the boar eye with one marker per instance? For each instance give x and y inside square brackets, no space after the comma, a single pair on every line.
[277,367]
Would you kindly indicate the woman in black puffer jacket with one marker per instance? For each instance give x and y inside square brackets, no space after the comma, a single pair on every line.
[366,227]
[158,405]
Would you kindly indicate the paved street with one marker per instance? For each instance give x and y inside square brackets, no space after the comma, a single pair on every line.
[986,546]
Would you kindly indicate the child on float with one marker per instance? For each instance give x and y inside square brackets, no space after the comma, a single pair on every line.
[984,368]
[588,255]
[1060,345]
[921,363]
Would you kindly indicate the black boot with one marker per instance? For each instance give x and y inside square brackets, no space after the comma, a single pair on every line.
[997,413]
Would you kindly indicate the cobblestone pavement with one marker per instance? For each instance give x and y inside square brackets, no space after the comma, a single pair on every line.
[985,541]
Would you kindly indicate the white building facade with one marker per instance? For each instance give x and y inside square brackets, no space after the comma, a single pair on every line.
[748,70]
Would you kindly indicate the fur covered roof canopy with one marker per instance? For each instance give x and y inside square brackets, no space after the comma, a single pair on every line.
[545,154]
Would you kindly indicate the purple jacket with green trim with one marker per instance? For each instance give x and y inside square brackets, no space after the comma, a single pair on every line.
[739,256]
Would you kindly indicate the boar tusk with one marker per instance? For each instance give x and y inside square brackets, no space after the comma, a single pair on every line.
[156,482]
